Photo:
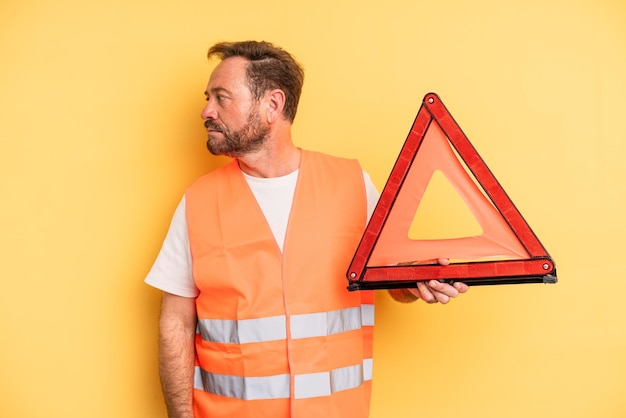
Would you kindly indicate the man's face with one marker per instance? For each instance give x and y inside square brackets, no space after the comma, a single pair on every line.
[232,116]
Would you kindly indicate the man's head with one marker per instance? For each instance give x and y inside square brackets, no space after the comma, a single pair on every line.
[252,93]
[269,67]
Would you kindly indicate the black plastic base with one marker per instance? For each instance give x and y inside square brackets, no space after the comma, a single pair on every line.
[487,281]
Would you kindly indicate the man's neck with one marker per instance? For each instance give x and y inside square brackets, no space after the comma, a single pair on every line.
[271,162]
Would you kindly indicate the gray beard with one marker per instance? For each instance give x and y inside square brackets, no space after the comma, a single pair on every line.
[248,139]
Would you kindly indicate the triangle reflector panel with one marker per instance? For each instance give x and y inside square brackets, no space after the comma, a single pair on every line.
[505,252]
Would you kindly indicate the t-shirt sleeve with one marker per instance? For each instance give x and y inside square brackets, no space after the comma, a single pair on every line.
[372,194]
[171,271]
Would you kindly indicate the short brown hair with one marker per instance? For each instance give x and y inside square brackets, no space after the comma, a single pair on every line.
[270,67]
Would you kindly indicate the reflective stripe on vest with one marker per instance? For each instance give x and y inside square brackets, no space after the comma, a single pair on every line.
[278,387]
[274,328]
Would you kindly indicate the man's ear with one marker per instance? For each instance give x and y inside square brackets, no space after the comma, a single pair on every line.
[276,103]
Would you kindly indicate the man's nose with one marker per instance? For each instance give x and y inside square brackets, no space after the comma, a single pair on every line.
[208,112]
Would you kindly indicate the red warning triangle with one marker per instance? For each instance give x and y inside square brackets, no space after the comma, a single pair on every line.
[506,251]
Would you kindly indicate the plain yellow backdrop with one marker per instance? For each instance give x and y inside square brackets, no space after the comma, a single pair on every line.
[100,134]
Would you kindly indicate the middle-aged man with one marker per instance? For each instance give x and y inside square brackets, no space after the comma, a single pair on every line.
[256,320]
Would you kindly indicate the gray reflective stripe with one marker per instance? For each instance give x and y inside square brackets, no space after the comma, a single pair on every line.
[273,328]
[346,378]
[368,368]
[313,385]
[244,330]
[246,388]
[367,315]
[309,385]
[325,323]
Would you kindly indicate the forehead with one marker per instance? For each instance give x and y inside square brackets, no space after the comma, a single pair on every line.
[229,74]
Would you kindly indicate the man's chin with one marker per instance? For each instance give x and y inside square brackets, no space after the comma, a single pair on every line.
[212,147]
[215,149]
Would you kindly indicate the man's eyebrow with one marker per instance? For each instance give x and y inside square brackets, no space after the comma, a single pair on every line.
[214,90]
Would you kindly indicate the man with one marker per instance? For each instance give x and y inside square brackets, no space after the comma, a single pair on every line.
[255,319]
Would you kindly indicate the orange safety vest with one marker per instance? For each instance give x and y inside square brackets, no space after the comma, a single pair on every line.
[278,334]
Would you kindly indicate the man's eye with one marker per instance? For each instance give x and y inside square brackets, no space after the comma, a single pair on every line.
[219,98]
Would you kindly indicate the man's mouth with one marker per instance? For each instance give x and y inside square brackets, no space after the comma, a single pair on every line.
[211,127]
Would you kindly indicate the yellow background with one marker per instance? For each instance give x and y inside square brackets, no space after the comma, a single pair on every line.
[100,133]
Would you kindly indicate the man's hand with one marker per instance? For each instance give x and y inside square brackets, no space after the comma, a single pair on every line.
[431,291]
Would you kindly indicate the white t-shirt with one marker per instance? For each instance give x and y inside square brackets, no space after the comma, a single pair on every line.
[171,271]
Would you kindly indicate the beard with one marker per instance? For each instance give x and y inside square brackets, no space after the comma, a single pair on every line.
[234,144]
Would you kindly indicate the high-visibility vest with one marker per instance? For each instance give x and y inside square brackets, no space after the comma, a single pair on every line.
[279,335]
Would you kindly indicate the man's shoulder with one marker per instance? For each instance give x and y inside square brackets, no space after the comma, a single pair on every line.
[321,156]
[215,175]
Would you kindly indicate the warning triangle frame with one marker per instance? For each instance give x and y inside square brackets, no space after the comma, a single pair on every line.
[537,268]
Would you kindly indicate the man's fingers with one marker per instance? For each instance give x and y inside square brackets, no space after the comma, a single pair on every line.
[433,291]
[460,287]
[444,288]
[443,261]
[425,294]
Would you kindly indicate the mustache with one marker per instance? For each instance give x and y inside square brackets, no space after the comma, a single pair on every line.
[209,124]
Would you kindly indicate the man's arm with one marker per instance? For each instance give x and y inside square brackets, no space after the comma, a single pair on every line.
[177,330]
